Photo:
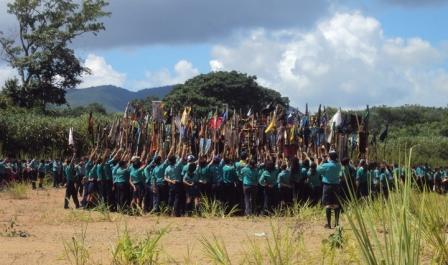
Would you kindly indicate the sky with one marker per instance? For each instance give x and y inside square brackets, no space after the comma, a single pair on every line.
[342,53]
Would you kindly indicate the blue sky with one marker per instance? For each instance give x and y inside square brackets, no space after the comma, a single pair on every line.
[337,52]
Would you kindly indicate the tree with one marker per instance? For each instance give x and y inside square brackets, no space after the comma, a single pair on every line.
[45,64]
[205,92]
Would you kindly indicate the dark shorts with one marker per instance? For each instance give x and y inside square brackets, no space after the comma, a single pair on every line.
[41,175]
[193,191]
[330,195]
[139,190]
[92,187]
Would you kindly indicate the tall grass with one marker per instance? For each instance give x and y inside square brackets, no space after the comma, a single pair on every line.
[17,190]
[75,250]
[215,250]
[129,250]
[388,230]
[210,208]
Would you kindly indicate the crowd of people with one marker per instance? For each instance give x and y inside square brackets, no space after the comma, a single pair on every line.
[255,162]
[179,180]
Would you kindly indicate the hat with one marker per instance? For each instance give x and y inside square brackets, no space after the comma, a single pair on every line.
[134,158]
[190,158]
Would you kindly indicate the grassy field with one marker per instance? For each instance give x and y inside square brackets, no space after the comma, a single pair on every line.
[409,228]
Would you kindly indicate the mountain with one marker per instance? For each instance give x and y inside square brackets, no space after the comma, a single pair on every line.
[113,98]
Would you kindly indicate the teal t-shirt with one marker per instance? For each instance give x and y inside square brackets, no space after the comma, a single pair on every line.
[229,174]
[147,173]
[158,174]
[203,174]
[120,175]
[191,178]
[362,175]
[100,172]
[172,174]
[93,174]
[249,176]
[330,172]
[238,167]
[68,172]
[284,178]
[314,179]
[267,178]
[136,174]
[216,172]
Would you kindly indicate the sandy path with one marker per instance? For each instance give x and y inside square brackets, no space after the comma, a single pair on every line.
[43,216]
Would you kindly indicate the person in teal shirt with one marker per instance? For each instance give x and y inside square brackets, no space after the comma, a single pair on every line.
[315,184]
[297,181]
[215,169]
[41,173]
[120,175]
[70,180]
[147,173]
[159,187]
[229,183]
[267,181]
[362,179]
[284,185]
[250,182]
[204,176]
[136,181]
[330,172]
[191,181]
[175,182]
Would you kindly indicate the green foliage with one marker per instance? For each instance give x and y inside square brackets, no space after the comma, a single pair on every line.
[17,190]
[211,208]
[77,111]
[45,63]
[76,251]
[10,230]
[138,252]
[206,92]
[30,133]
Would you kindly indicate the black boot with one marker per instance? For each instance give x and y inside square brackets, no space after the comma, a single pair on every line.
[328,214]
[337,211]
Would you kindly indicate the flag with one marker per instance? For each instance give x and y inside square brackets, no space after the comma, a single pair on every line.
[272,125]
[157,111]
[126,111]
[250,112]
[384,132]
[335,122]
[215,122]
[70,137]
[225,115]
[268,109]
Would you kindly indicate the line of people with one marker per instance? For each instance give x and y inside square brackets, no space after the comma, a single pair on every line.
[255,184]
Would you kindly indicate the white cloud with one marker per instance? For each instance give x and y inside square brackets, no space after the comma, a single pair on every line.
[183,70]
[102,73]
[346,60]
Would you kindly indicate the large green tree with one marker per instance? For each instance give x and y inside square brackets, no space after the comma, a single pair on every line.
[205,92]
[40,52]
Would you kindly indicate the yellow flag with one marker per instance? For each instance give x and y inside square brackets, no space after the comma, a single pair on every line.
[272,125]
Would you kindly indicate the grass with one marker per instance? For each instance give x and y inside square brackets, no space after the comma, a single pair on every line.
[302,211]
[129,250]
[212,208]
[76,251]
[391,230]
[17,190]
[10,229]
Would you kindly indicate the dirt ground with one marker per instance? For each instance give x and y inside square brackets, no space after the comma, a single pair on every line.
[49,225]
